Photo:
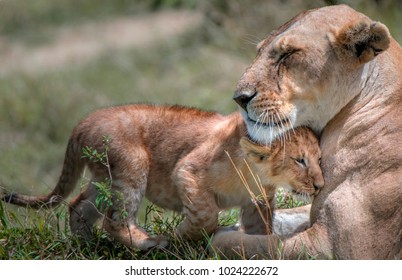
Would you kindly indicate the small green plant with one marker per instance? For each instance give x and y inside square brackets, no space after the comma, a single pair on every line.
[229,217]
[106,196]
[286,200]
[94,156]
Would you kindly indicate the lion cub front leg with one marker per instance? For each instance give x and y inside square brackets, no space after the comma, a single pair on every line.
[199,206]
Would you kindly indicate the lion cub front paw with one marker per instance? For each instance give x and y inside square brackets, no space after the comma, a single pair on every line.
[158,241]
[162,241]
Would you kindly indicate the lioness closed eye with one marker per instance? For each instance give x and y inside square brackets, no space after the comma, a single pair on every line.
[178,158]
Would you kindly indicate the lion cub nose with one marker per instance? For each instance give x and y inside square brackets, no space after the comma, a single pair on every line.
[243,97]
[318,184]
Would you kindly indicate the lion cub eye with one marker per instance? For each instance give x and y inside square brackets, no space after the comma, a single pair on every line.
[301,161]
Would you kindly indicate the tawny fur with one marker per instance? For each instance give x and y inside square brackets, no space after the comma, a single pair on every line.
[181,159]
[336,70]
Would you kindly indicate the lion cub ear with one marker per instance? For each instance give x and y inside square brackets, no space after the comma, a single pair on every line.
[254,151]
[362,39]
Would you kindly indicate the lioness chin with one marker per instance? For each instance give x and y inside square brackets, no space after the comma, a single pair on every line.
[181,159]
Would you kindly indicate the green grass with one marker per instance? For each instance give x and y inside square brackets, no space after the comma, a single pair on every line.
[27,234]
[45,235]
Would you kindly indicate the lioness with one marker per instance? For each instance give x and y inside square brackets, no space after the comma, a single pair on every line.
[178,158]
[336,70]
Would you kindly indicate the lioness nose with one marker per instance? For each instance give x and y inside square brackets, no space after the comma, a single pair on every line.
[243,97]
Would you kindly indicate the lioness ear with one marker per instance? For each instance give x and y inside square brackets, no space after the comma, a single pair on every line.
[255,151]
[363,39]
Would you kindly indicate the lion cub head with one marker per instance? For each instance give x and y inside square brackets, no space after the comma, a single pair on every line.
[292,161]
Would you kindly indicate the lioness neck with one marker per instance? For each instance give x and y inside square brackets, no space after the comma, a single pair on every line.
[357,126]
[378,95]
[376,90]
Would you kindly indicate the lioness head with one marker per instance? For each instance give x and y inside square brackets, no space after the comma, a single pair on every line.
[290,162]
[307,70]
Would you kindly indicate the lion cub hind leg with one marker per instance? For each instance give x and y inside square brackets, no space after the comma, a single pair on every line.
[129,181]
[83,212]
[121,218]
[199,206]
[133,236]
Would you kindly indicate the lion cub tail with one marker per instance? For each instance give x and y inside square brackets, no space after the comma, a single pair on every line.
[71,172]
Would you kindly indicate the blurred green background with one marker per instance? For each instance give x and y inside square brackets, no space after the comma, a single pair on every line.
[59,60]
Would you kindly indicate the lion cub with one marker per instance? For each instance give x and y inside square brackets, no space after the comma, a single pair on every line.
[181,159]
